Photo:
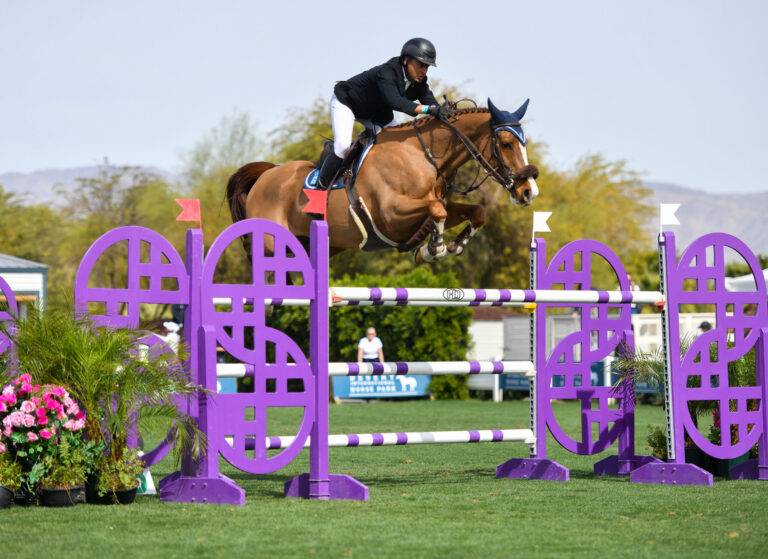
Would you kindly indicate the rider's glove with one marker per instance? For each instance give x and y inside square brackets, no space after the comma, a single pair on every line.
[440,111]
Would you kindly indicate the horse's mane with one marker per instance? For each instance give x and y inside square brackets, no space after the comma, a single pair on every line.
[421,121]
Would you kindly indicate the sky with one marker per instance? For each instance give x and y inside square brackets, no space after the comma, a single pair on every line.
[677,89]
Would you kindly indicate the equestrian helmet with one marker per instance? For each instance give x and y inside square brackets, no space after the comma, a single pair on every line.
[420,49]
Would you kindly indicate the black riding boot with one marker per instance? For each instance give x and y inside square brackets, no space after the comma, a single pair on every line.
[328,171]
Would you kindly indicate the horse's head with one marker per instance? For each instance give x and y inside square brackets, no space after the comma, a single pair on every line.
[508,148]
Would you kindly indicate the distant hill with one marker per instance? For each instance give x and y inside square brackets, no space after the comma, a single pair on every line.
[743,215]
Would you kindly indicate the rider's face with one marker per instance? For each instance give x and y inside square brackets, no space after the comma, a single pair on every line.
[415,70]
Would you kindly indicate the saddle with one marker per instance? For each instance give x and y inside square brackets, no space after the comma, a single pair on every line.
[373,239]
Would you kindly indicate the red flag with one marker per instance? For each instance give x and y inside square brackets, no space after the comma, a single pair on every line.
[190,210]
[317,202]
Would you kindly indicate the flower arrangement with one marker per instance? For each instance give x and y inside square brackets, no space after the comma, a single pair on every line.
[35,419]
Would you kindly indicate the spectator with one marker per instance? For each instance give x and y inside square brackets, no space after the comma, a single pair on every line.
[370,348]
[705,327]
[170,335]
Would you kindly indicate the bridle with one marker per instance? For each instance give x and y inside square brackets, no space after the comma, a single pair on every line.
[502,173]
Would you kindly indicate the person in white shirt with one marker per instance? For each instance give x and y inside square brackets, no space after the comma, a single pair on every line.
[171,335]
[370,348]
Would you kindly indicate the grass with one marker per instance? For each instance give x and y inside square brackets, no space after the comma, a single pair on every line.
[426,501]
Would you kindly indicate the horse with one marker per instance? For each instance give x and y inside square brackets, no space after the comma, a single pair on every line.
[403,184]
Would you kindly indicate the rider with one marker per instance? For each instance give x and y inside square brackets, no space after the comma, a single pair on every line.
[371,96]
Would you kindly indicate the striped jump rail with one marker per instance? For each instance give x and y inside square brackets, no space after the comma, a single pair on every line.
[241,370]
[225,301]
[450,297]
[395,439]
[474,297]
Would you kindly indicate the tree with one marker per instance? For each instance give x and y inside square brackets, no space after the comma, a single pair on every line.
[115,197]
[208,166]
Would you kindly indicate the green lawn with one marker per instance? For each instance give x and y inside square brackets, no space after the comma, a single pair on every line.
[426,501]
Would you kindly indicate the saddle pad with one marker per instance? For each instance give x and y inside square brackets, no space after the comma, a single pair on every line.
[310,183]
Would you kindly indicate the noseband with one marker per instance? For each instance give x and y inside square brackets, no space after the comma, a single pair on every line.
[504,174]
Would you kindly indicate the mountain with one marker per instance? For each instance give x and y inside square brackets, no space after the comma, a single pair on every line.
[742,215]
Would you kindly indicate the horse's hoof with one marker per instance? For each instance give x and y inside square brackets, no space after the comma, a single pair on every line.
[417,258]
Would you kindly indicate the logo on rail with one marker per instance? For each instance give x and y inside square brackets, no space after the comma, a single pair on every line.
[453,294]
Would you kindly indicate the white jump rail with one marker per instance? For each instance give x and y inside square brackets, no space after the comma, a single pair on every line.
[241,370]
[393,439]
[395,296]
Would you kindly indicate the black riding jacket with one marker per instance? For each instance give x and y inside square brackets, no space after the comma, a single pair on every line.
[375,93]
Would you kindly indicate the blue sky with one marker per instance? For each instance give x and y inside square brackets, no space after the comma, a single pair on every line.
[675,88]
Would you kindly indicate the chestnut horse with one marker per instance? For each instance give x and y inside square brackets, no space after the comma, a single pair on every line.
[404,183]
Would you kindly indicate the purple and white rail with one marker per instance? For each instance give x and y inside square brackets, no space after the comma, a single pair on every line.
[455,297]
[477,296]
[394,439]
[225,301]
[240,370]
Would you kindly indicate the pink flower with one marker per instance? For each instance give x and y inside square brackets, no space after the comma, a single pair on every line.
[3,448]
[16,418]
[29,420]
[79,424]
[70,424]
[42,420]
[31,436]
[26,377]
[59,391]
[8,422]
[79,415]
[35,400]
[716,423]
[52,404]
[8,390]
[27,406]
[45,433]
[3,407]
[40,412]
[25,387]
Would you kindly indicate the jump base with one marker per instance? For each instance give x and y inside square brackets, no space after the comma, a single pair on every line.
[671,473]
[750,470]
[339,487]
[533,468]
[219,491]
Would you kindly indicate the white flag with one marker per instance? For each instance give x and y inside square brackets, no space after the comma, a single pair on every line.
[540,222]
[667,214]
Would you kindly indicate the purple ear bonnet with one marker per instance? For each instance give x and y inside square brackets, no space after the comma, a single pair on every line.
[504,120]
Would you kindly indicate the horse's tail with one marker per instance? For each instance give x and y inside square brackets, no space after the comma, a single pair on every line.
[240,185]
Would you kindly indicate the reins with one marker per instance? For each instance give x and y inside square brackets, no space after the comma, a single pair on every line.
[505,176]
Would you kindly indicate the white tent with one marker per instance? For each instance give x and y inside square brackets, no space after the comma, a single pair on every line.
[743,283]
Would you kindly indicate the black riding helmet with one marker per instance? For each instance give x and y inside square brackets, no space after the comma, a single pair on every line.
[420,49]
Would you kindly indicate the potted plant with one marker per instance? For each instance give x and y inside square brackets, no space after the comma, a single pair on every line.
[117,480]
[65,472]
[40,423]
[119,382]
[10,477]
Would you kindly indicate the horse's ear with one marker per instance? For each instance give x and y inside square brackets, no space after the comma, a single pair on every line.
[520,113]
[497,116]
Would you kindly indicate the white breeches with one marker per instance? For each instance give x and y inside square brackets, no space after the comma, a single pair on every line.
[342,121]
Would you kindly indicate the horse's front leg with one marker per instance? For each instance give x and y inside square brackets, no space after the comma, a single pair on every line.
[435,249]
[459,213]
